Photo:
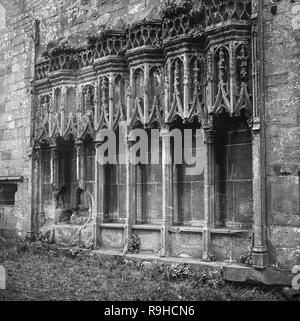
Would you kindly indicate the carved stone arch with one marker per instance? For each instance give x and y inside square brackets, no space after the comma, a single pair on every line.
[221,63]
[103,101]
[57,99]
[84,206]
[243,77]
[221,59]
[195,77]
[88,98]
[156,95]
[119,98]
[70,136]
[70,100]
[243,63]
[138,83]
[176,87]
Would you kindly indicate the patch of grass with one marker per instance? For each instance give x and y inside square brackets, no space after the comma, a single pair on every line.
[42,272]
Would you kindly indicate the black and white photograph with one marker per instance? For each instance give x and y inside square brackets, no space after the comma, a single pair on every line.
[149,152]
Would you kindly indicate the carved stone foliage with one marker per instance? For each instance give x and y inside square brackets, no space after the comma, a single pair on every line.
[147,90]
[43,108]
[144,34]
[186,18]
[186,89]
[217,11]
[110,44]
[111,108]
[231,71]
[88,102]
[170,75]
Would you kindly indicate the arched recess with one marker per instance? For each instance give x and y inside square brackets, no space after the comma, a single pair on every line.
[155,86]
[149,179]
[188,187]
[70,101]
[67,180]
[176,83]
[57,100]
[233,171]
[103,112]
[115,188]
[138,84]
[88,98]
[119,97]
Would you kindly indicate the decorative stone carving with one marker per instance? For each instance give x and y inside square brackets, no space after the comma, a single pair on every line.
[218,11]
[144,34]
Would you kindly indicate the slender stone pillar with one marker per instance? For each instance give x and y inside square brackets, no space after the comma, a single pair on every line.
[40,175]
[54,162]
[209,191]
[167,191]
[80,163]
[260,249]
[37,213]
[140,180]
[130,195]
[176,216]
[99,197]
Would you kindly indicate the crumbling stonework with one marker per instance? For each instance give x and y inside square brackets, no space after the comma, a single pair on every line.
[234,78]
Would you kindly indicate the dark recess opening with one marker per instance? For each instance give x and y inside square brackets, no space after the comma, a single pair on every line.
[7,193]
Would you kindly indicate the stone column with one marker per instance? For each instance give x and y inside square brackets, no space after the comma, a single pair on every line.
[80,164]
[140,217]
[167,191]
[54,163]
[146,93]
[37,213]
[260,249]
[185,86]
[99,197]
[130,195]
[176,217]
[209,191]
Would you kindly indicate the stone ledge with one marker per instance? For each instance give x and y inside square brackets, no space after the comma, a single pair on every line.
[268,276]
[233,272]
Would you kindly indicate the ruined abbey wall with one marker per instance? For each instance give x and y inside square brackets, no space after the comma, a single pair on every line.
[22,42]
[17,50]
[282,116]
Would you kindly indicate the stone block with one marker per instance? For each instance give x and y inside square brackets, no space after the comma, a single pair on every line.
[227,247]
[112,238]
[69,235]
[186,244]
[150,240]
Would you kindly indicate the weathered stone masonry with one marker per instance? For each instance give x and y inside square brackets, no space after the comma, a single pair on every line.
[228,68]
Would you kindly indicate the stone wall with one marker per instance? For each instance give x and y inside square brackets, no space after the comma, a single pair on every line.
[282,101]
[17,38]
[74,20]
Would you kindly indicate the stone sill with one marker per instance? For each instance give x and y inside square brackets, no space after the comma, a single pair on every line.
[230,231]
[220,231]
[112,225]
[177,229]
[188,229]
[11,179]
[147,227]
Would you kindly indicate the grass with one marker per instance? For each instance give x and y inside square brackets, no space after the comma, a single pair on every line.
[37,272]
